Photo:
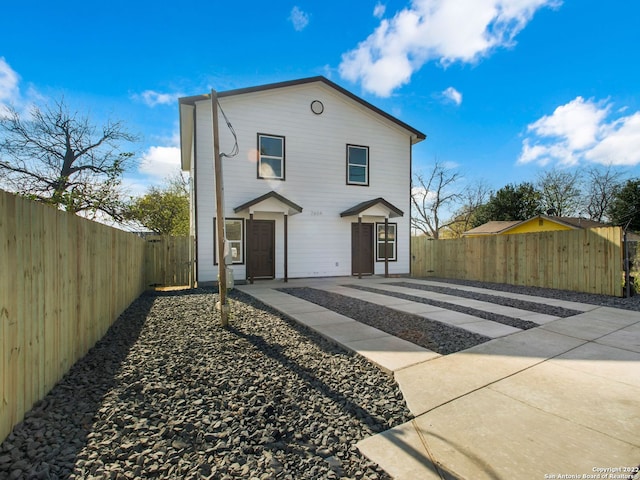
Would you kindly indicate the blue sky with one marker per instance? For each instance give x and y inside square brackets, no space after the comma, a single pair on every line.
[504,89]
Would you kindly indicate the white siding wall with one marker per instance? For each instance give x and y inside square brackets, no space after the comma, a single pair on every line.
[315,170]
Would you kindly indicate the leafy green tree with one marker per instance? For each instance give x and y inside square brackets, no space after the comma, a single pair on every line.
[511,202]
[163,210]
[624,209]
[59,157]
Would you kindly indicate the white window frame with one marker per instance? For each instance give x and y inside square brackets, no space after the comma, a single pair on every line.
[271,157]
[239,243]
[357,165]
[380,242]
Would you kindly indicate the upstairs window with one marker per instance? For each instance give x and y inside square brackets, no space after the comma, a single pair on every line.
[270,156]
[357,165]
[390,243]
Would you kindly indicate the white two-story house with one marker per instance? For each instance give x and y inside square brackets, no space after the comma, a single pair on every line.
[320,185]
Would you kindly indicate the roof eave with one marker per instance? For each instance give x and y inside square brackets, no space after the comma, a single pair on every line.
[186,135]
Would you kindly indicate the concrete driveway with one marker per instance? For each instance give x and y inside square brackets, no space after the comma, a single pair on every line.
[558,401]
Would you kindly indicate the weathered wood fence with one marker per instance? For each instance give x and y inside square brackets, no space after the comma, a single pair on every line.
[63,281]
[587,260]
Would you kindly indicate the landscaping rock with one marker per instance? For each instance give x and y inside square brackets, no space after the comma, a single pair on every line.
[436,336]
[169,393]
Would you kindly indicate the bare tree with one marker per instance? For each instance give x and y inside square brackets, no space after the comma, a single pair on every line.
[431,194]
[560,192]
[60,158]
[473,197]
[600,190]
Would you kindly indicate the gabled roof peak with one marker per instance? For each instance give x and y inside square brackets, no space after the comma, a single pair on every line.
[419,136]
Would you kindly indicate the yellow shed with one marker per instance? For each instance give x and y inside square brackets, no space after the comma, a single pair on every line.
[540,223]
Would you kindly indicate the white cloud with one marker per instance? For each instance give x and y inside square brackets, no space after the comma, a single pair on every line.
[299,19]
[9,91]
[620,144]
[583,131]
[443,30]
[452,95]
[379,10]
[423,194]
[11,94]
[152,98]
[9,80]
[160,162]
[578,122]
[134,186]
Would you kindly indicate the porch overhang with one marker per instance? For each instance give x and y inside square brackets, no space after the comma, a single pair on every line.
[271,202]
[378,207]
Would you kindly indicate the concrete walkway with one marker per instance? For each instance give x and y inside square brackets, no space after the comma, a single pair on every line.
[558,401]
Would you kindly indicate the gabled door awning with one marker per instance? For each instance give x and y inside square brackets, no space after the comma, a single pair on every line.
[270,202]
[378,207]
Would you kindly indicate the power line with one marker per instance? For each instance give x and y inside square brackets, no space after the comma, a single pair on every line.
[235,149]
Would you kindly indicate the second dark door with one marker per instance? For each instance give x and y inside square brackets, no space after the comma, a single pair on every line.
[362,249]
[262,249]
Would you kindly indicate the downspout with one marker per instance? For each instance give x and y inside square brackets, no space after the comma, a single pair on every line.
[627,266]
[194,182]
[410,180]
[386,247]
[359,249]
[286,248]
[250,248]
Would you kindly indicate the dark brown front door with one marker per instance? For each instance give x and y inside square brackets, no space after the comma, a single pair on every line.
[262,248]
[362,249]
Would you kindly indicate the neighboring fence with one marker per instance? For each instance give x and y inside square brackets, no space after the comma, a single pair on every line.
[170,261]
[587,260]
[63,281]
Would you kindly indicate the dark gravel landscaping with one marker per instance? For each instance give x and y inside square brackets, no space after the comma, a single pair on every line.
[435,336]
[629,303]
[495,317]
[168,393]
[498,300]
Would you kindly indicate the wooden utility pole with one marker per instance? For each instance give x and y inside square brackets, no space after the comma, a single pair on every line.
[221,306]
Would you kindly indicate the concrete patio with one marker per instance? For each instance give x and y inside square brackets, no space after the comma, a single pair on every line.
[550,402]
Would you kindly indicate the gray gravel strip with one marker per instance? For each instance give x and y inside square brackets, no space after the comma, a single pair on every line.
[494,317]
[436,336]
[168,393]
[498,300]
[629,303]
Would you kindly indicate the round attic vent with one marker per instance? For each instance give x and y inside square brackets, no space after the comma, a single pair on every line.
[317,107]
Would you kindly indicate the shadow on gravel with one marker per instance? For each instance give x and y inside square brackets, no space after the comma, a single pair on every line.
[275,352]
[46,443]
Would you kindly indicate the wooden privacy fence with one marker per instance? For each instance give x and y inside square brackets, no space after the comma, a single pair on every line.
[588,260]
[170,261]
[63,281]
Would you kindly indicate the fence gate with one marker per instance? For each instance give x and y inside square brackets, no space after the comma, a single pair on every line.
[170,261]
